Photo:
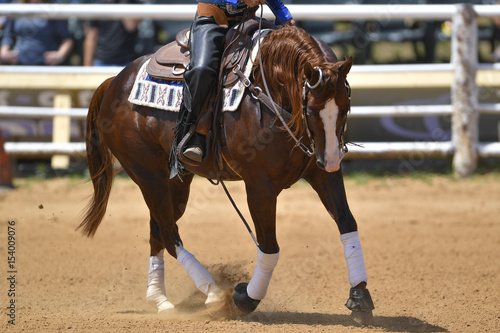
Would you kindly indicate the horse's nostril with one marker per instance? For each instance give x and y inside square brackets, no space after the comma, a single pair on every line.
[320,164]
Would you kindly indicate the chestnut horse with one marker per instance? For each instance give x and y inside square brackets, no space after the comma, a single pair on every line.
[305,78]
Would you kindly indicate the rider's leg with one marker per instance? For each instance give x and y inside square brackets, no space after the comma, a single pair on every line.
[207,43]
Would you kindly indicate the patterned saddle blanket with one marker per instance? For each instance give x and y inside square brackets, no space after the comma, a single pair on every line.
[166,94]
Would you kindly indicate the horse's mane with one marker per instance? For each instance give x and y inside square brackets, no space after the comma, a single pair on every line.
[284,55]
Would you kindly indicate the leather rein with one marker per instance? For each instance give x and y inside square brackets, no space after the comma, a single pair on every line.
[265,98]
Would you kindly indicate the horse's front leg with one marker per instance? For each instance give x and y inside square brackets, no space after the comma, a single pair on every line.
[169,238]
[330,188]
[262,205]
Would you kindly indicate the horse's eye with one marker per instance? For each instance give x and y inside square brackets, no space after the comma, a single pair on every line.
[312,111]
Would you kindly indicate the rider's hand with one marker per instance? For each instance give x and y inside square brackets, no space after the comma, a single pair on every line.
[53,58]
[253,3]
[290,23]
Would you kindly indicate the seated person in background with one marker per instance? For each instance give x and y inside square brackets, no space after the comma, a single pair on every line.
[35,40]
[111,42]
[2,18]
[495,56]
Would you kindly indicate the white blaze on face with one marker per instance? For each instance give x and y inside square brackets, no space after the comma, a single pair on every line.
[333,155]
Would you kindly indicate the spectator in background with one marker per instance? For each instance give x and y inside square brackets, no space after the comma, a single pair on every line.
[111,43]
[3,18]
[495,56]
[35,40]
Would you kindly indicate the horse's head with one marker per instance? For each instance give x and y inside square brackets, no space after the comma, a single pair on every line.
[326,97]
[305,78]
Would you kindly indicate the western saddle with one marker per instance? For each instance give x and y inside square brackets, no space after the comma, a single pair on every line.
[172,60]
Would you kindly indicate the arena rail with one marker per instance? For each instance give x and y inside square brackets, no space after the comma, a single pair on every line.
[463,75]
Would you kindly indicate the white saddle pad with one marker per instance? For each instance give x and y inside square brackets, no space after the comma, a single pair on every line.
[167,94]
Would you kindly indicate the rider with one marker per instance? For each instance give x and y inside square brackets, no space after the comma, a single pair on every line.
[208,32]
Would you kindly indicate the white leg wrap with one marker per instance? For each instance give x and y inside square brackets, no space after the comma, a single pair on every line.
[257,287]
[199,274]
[155,293]
[354,257]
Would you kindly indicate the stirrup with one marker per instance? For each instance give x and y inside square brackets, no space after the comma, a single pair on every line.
[194,154]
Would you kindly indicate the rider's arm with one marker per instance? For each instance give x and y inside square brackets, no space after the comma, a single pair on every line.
[277,6]
[280,10]
[220,2]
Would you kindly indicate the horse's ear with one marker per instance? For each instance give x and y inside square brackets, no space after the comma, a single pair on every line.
[345,66]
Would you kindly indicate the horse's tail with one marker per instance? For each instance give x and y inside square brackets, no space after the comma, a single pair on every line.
[100,163]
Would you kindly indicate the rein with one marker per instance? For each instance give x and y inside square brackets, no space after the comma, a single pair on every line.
[247,84]
[298,142]
[265,98]
[268,101]
[271,104]
[307,86]
[343,143]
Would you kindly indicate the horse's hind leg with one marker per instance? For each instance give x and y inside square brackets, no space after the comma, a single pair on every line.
[330,188]
[155,293]
[203,280]
[164,233]
[201,277]
[167,201]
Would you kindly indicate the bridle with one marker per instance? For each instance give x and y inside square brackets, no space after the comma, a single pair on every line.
[308,86]
[257,93]
[343,143]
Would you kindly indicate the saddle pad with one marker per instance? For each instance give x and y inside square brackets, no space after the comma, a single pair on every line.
[167,94]
[157,93]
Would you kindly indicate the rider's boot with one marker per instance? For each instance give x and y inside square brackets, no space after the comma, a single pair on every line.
[194,150]
[207,42]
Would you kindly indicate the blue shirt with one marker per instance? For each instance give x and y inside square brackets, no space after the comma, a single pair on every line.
[34,36]
[279,9]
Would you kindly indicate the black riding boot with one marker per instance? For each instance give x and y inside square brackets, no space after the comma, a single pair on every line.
[207,43]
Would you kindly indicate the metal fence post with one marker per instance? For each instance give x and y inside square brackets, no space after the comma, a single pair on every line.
[464,91]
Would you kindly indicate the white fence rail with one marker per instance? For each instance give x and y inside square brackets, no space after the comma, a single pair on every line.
[300,12]
[463,75]
[41,149]
[41,112]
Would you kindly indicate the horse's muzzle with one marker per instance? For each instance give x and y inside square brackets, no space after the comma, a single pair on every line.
[330,163]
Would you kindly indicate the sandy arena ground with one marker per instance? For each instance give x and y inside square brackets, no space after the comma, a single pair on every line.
[431,248]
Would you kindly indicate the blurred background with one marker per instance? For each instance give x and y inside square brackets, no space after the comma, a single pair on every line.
[369,42]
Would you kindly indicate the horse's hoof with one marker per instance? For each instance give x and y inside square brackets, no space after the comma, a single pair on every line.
[359,300]
[165,306]
[222,308]
[363,318]
[244,303]
[361,304]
